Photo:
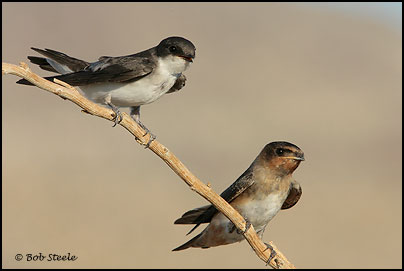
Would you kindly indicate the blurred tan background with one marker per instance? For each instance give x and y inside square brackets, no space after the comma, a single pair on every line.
[326,80]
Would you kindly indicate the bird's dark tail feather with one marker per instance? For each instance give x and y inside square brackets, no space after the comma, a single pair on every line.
[42,63]
[191,217]
[24,82]
[194,216]
[72,63]
[187,244]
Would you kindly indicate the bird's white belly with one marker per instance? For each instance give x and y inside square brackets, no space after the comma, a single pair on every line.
[137,93]
[257,211]
[260,211]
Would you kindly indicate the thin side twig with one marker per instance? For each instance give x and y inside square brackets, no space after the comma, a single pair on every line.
[68,92]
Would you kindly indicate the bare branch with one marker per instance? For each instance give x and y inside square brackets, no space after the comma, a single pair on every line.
[68,92]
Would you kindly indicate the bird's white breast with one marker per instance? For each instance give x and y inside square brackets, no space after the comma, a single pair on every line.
[143,91]
[261,211]
[258,211]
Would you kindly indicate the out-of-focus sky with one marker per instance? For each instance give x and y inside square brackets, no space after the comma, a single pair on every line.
[326,77]
[389,13]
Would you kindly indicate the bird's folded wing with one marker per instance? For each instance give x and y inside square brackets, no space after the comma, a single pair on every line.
[295,192]
[124,69]
[179,84]
[204,214]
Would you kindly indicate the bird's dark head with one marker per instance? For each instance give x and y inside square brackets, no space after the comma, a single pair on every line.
[282,157]
[176,46]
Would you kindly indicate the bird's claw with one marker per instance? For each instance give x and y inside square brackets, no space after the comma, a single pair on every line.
[247,227]
[118,118]
[118,115]
[147,131]
[151,138]
[272,255]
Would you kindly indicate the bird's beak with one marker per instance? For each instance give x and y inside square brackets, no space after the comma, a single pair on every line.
[295,158]
[188,58]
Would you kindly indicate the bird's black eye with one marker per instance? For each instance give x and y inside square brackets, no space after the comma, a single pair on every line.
[172,49]
[280,151]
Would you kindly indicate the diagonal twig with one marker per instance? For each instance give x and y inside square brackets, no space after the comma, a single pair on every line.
[68,92]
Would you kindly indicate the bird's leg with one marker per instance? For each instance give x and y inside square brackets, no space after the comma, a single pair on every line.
[118,115]
[231,227]
[272,255]
[135,114]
